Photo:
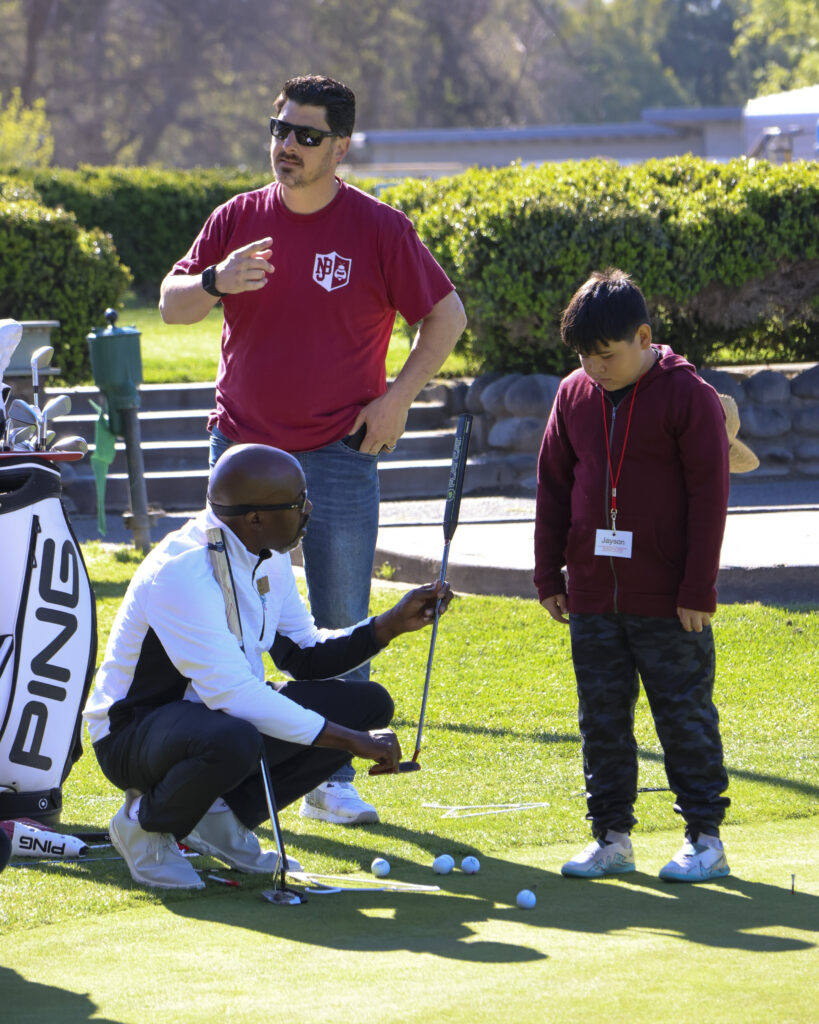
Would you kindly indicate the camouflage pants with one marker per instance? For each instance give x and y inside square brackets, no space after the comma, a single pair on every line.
[611,653]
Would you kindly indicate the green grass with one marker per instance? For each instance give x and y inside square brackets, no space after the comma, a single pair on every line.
[501,727]
[173,355]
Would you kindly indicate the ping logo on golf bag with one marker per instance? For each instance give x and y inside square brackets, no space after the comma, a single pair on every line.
[46,664]
[48,642]
[331,271]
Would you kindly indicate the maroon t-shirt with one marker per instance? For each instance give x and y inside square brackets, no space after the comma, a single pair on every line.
[301,356]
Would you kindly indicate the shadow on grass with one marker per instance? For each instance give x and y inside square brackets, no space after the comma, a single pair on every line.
[25,1000]
[541,736]
[731,913]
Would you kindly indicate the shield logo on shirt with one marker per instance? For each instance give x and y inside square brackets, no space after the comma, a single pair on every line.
[331,271]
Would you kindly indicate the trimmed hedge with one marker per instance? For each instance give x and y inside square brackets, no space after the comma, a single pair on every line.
[52,269]
[152,214]
[727,254]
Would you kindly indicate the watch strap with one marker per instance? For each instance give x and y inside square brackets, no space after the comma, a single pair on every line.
[209,282]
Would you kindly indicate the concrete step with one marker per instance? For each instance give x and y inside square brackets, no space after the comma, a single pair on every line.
[153,397]
[173,428]
[163,426]
[185,489]
[171,456]
[425,418]
[428,410]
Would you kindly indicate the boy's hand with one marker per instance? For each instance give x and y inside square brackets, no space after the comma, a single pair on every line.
[557,607]
[693,621]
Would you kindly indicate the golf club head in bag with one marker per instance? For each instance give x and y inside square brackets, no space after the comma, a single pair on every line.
[40,359]
[55,407]
[71,443]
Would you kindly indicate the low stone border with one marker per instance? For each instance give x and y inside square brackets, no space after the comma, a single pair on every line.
[779,413]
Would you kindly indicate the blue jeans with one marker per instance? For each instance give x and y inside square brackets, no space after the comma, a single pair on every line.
[339,546]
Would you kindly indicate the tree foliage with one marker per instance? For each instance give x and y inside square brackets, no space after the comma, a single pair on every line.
[25,133]
[782,37]
[181,84]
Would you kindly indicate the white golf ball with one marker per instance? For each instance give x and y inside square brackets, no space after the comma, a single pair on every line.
[443,865]
[470,865]
[526,899]
[380,867]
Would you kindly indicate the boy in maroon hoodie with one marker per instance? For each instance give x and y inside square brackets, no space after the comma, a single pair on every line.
[632,497]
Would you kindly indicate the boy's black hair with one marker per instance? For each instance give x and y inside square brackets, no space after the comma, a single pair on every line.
[320,91]
[608,307]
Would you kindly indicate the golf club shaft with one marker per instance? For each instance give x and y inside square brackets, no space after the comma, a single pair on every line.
[274,817]
[460,452]
[432,639]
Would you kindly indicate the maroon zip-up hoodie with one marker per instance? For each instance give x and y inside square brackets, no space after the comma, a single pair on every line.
[672,493]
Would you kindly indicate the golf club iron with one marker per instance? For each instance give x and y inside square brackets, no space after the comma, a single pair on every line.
[278,894]
[72,443]
[460,451]
[40,358]
[55,407]
[21,435]
[23,414]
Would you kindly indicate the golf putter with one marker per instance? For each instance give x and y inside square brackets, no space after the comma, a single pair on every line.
[460,450]
[280,894]
[217,552]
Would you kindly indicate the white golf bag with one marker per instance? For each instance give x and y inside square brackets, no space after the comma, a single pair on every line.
[48,640]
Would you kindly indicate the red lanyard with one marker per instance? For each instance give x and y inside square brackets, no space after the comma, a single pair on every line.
[612,477]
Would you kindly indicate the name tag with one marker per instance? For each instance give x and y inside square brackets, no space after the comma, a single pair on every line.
[613,545]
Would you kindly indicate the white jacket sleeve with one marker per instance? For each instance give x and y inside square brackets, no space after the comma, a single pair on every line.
[196,638]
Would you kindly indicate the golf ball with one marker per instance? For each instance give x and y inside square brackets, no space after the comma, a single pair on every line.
[526,899]
[443,865]
[380,867]
[470,865]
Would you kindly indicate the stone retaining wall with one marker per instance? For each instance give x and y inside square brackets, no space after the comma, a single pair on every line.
[779,413]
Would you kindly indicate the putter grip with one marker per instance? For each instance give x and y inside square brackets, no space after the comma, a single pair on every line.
[460,450]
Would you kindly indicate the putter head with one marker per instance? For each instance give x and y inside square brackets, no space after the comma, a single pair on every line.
[283,897]
[403,766]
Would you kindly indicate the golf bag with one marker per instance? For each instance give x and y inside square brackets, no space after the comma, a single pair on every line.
[48,640]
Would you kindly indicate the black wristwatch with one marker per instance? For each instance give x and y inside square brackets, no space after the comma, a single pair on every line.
[209,282]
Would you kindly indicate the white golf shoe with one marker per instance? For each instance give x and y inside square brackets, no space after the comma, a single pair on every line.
[339,804]
[153,858]
[697,861]
[220,834]
[612,855]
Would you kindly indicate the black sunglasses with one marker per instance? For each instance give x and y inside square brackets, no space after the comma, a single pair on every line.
[305,136]
[240,510]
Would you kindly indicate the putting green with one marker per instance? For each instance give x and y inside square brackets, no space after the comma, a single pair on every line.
[633,948]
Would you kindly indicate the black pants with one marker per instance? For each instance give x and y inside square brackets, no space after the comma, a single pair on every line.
[182,756]
[677,669]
